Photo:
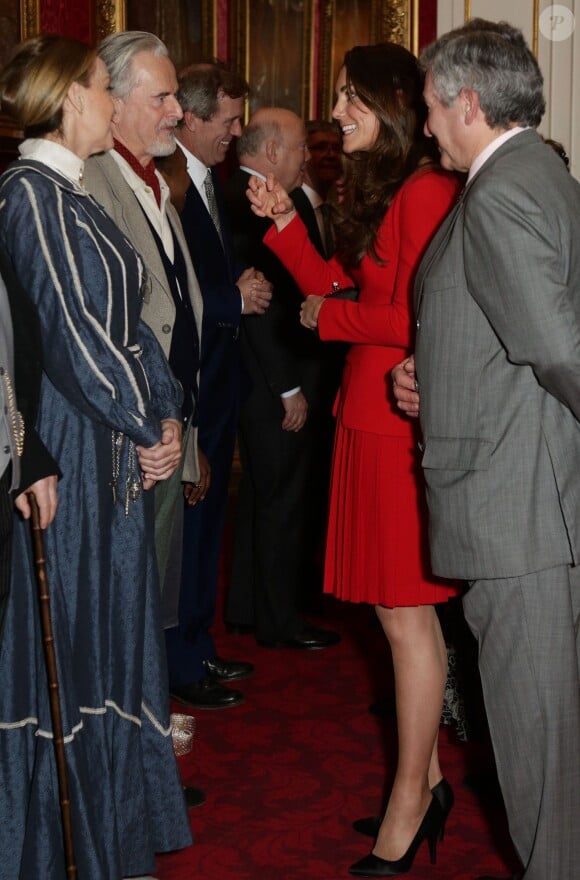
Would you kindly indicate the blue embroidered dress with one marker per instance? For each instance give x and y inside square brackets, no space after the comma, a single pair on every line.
[106,385]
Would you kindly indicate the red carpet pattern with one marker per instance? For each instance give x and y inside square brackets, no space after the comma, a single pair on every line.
[286,773]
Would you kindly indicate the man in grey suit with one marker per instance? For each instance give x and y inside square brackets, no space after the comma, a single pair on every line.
[498,371]
[125,182]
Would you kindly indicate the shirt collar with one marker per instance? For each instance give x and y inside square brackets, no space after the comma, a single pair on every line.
[486,154]
[195,168]
[54,155]
[251,171]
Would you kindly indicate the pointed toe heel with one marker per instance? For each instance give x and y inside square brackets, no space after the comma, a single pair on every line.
[429,830]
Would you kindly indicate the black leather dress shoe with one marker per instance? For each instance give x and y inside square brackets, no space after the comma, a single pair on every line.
[207,694]
[219,669]
[194,797]
[308,638]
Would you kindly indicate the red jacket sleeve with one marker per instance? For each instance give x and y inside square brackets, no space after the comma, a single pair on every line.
[383,313]
[311,272]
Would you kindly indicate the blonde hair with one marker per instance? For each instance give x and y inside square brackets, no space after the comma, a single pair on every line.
[36,80]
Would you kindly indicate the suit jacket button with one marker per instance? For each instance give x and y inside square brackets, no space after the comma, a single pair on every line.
[166,328]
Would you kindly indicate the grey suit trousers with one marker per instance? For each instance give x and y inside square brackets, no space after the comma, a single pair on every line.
[527,628]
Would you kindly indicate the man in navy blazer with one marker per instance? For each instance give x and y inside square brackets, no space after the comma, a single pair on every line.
[212,99]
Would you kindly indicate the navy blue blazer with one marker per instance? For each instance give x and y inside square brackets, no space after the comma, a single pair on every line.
[217,271]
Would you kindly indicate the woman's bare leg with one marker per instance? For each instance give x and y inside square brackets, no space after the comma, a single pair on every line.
[420,667]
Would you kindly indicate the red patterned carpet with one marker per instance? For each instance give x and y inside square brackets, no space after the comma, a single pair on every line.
[287,772]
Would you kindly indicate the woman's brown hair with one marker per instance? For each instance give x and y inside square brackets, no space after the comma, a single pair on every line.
[389,81]
[36,80]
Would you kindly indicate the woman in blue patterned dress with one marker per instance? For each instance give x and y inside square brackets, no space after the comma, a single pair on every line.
[109,415]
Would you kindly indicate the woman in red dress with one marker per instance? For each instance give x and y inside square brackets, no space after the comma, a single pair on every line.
[393,201]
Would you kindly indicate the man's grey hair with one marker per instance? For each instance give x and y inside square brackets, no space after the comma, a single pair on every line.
[118,51]
[254,134]
[494,60]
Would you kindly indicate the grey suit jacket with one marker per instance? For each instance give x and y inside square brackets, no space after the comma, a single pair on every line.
[498,366]
[104,181]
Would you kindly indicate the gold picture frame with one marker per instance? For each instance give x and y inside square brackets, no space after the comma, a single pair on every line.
[29,18]
[395,21]
[110,16]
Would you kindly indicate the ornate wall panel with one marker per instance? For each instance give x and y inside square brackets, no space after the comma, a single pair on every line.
[109,17]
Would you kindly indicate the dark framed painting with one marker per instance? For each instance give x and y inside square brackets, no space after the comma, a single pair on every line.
[273,44]
[187,27]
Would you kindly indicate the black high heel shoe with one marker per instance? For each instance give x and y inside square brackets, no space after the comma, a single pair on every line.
[369,826]
[429,830]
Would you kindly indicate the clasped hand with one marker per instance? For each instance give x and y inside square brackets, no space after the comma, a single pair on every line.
[160,461]
[256,291]
[405,387]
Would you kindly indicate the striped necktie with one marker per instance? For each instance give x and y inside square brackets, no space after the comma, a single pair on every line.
[211,203]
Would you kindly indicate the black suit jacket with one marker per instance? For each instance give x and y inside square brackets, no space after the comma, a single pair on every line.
[304,207]
[278,352]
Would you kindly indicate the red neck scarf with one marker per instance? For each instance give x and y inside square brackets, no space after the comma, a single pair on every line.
[146,174]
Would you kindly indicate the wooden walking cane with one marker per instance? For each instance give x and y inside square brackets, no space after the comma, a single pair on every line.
[50,658]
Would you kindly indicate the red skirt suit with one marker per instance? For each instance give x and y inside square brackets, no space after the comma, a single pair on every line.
[376,546]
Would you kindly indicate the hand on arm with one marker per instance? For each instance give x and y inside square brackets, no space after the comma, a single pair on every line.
[405,387]
[194,492]
[295,412]
[269,199]
[256,292]
[45,492]
[160,461]
[309,311]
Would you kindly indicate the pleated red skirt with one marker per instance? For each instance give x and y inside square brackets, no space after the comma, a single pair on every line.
[376,548]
